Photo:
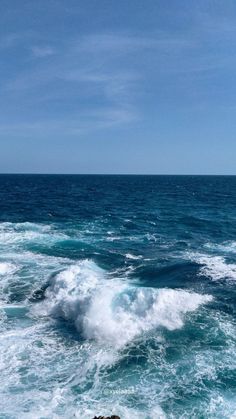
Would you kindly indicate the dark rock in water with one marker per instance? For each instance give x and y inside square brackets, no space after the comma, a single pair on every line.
[107,417]
[39,294]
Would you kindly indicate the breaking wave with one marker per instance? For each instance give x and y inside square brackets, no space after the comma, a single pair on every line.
[7,268]
[215,267]
[108,310]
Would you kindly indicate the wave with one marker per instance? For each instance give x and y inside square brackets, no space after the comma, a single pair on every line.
[133,257]
[226,247]
[7,268]
[20,233]
[110,311]
[214,267]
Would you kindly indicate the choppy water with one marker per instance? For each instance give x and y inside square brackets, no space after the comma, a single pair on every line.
[117,296]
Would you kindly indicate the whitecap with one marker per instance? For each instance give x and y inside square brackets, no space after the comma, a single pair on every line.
[225,247]
[214,267]
[133,257]
[15,234]
[109,310]
[7,268]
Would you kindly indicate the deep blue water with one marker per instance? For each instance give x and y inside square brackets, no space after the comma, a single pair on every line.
[117,296]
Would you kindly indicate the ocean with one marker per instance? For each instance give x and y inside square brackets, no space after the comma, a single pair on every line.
[117,296]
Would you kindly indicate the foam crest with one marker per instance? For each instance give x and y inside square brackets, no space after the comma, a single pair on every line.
[226,247]
[215,267]
[19,233]
[133,257]
[7,268]
[107,310]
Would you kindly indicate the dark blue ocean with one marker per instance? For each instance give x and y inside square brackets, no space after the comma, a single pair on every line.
[117,296]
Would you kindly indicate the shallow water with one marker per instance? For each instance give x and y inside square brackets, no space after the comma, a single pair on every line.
[117,296]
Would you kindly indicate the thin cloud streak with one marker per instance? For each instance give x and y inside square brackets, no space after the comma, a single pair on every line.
[41,52]
[99,66]
[97,43]
[84,123]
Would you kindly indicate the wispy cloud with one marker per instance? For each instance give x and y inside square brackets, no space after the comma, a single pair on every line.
[101,75]
[74,75]
[97,59]
[41,52]
[9,40]
[124,43]
[16,39]
[83,123]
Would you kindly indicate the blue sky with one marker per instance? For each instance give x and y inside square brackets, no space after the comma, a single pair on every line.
[114,86]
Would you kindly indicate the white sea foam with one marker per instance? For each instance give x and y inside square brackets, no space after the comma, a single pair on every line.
[107,310]
[20,233]
[7,268]
[226,247]
[134,257]
[215,267]
[26,271]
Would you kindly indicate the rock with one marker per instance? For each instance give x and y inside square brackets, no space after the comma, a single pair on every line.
[107,417]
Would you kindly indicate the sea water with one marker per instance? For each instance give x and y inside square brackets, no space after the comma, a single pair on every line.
[117,296]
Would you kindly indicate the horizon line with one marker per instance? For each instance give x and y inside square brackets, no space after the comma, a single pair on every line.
[113,174]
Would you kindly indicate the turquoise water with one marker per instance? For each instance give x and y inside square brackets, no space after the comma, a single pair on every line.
[117,296]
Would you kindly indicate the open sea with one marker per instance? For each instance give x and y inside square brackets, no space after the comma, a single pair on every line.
[117,296]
